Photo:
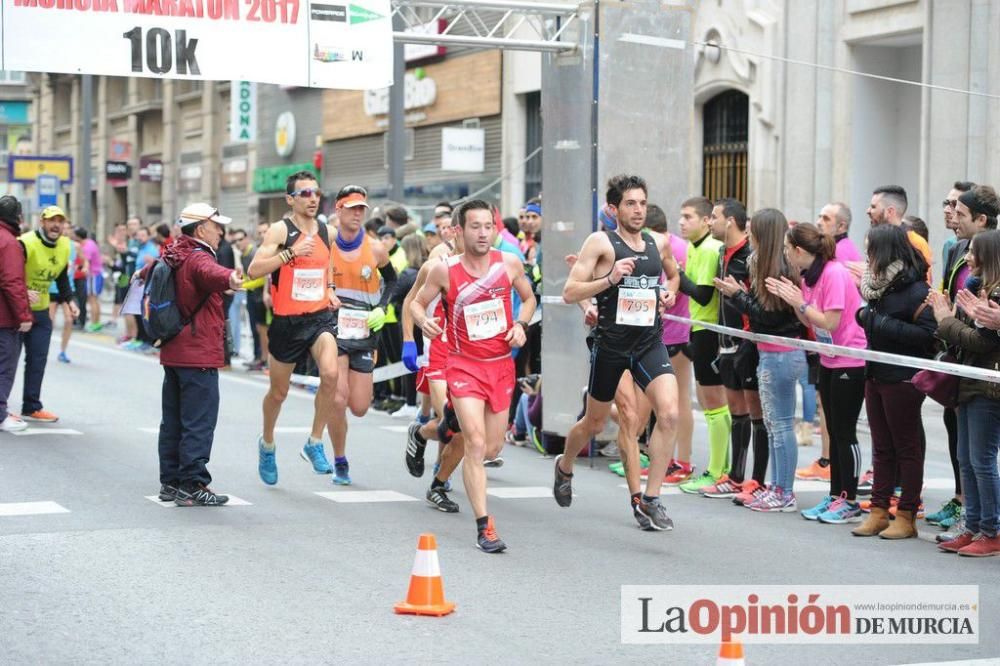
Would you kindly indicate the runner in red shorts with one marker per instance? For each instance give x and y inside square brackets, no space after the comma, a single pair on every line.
[476,289]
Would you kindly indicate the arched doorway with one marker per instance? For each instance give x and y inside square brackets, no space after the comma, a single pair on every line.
[726,126]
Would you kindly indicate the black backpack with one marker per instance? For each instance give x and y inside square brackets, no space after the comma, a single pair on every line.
[160,315]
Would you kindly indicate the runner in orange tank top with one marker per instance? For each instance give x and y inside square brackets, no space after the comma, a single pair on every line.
[296,253]
[480,370]
[364,280]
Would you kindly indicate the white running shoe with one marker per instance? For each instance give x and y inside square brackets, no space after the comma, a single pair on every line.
[406,412]
[12,424]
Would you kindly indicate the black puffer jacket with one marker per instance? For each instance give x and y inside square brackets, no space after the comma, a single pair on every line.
[781,322]
[892,324]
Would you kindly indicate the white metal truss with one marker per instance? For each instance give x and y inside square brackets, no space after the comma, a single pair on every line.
[506,24]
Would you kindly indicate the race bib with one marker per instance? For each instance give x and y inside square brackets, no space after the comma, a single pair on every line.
[486,319]
[352,324]
[307,284]
[636,307]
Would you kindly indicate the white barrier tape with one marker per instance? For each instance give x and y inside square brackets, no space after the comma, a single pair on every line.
[836,350]
[383,374]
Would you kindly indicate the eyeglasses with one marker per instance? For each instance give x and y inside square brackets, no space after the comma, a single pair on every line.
[949,203]
[307,193]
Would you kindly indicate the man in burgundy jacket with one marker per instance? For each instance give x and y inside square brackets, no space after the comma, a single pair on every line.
[15,312]
[192,359]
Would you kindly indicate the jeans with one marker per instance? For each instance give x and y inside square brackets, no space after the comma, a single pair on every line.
[36,355]
[898,442]
[808,397]
[522,424]
[187,427]
[978,441]
[235,318]
[10,350]
[778,373]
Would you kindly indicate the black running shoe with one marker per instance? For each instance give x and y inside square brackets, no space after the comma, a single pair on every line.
[488,541]
[414,451]
[438,498]
[656,514]
[562,489]
[168,493]
[644,522]
[199,495]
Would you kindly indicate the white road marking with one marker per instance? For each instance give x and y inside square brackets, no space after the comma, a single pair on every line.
[812,486]
[280,430]
[31,508]
[358,496]
[665,490]
[46,431]
[395,428]
[524,492]
[233,501]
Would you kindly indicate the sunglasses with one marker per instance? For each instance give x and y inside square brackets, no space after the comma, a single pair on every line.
[949,203]
[307,192]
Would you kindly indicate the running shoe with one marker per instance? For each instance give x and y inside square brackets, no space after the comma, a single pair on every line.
[199,495]
[815,512]
[724,489]
[341,474]
[12,424]
[414,451]
[437,498]
[314,454]
[677,475]
[488,541]
[562,488]
[750,492]
[610,450]
[93,328]
[775,500]
[865,483]
[447,483]
[954,523]
[168,493]
[495,462]
[841,512]
[644,523]
[696,485]
[952,509]
[538,442]
[619,467]
[656,514]
[814,472]
[515,438]
[40,416]
[266,465]
[63,358]
[405,412]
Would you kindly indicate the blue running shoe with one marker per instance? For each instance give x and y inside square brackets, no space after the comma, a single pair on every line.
[63,358]
[266,466]
[341,474]
[314,454]
[951,510]
[447,484]
[842,511]
[815,512]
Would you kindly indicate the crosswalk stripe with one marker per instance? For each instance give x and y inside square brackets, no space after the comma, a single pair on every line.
[520,492]
[359,496]
[233,501]
[46,431]
[396,428]
[31,508]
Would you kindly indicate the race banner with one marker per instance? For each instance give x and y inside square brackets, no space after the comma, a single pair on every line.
[288,42]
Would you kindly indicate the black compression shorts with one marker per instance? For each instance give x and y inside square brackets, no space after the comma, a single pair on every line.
[704,348]
[607,368]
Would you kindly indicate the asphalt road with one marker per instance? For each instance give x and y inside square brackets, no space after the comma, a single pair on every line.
[292,576]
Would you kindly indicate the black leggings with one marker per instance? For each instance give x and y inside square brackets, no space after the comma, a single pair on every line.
[842,391]
[951,425]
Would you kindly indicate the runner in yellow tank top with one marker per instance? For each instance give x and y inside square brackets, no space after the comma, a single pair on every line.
[364,281]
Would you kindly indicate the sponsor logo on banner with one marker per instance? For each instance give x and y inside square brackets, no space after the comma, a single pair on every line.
[270,41]
[284,134]
[243,112]
[803,614]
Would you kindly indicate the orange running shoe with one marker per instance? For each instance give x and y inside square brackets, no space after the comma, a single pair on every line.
[680,473]
[749,491]
[40,416]
[815,472]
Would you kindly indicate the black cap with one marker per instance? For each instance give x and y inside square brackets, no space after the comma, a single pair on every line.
[10,209]
[386,231]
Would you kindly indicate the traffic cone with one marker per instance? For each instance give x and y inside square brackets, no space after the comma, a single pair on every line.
[731,654]
[426,594]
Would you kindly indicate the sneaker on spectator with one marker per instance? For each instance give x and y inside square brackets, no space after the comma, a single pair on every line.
[954,522]
[957,542]
[815,512]
[610,450]
[12,424]
[682,472]
[516,438]
[775,500]
[951,509]
[696,485]
[405,412]
[724,489]
[40,416]
[841,511]
[750,492]
[814,472]
[865,483]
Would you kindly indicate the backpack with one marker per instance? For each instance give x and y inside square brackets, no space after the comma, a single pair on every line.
[160,315]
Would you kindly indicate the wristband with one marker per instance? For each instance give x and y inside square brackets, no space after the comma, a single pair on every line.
[804,307]
[522,324]
[332,286]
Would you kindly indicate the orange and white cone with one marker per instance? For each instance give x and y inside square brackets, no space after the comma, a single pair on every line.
[426,594]
[731,654]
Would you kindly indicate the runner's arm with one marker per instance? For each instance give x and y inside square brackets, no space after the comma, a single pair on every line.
[268,259]
[389,277]
[435,284]
[519,281]
[581,284]
[669,262]
[64,286]
[407,314]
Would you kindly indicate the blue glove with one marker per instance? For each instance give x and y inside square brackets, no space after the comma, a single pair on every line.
[410,355]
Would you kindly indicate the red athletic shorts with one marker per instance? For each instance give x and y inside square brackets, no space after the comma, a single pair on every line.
[437,358]
[490,381]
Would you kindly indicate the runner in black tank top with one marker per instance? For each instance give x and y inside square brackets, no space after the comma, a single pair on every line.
[637,294]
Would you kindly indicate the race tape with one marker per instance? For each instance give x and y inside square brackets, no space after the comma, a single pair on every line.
[383,374]
[966,371]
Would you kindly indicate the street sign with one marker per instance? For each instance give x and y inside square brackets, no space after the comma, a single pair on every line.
[47,188]
[27,168]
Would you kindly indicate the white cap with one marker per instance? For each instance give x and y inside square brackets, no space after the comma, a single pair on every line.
[197,213]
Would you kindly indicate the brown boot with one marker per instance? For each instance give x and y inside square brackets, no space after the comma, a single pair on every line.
[876,522]
[901,528]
